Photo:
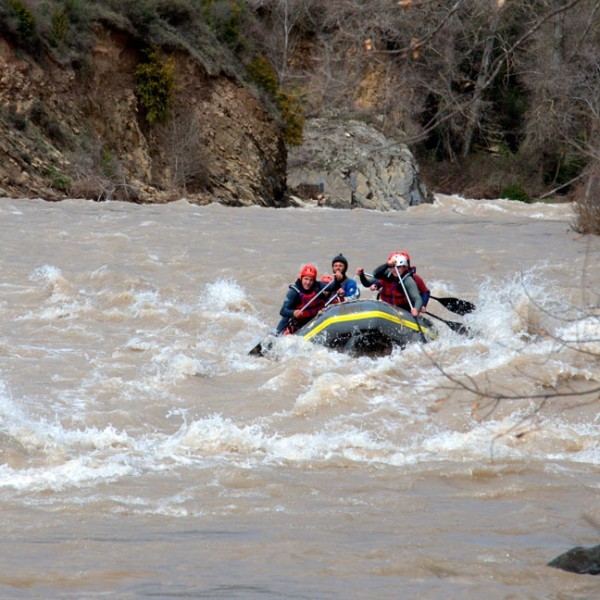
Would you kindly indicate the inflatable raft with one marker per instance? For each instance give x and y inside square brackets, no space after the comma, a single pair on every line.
[366,326]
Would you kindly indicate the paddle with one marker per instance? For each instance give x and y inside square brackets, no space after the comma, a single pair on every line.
[332,299]
[454,325]
[456,305]
[410,304]
[257,350]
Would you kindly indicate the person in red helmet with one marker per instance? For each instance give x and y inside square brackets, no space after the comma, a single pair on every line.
[305,298]
[406,294]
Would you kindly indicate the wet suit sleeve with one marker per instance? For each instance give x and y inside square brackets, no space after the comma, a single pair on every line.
[413,292]
[366,281]
[290,303]
[381,272]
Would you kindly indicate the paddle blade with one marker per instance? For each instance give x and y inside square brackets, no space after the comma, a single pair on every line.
[456,305]
[459,328]
[262,347]
[454,325]
[257,350]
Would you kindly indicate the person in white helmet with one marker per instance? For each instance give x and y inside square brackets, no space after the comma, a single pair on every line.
[395,283]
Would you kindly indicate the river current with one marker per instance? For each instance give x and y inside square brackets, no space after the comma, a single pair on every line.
[144,453]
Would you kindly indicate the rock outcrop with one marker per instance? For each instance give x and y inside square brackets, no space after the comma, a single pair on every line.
[585,561]
[349,164]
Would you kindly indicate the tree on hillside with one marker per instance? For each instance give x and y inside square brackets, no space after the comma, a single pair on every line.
[562,120]
[284,24]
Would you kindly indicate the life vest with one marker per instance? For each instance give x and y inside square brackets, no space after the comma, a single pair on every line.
[307,313]
[421,285]
[305,298]
[392,293]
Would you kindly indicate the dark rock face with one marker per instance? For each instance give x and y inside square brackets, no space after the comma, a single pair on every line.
[585,561]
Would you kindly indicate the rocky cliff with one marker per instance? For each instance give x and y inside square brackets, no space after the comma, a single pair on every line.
[80,133]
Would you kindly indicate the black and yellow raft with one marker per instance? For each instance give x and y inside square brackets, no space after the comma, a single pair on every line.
[366,326]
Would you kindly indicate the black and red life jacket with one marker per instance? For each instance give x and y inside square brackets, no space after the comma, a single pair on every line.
[305,298]
[392,292]
[307,313]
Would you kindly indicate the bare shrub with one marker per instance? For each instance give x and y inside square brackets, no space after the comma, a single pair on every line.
[481,175]
[99,175]
[187,157]
[100,190]
[539,394]
[90,188]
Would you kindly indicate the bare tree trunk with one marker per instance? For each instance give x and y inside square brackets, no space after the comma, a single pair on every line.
[286,39]
[287,13]
[558,53]
[481,84]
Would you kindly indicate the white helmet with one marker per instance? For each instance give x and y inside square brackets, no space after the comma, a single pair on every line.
[400,260]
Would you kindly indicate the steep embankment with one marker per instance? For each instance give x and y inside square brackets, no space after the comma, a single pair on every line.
[80,132]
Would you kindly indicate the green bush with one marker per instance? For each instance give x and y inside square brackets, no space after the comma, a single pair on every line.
[262,73]
[108,163]
[292,111]
[224,17]
[25,17]
[155,85]
[515,191]
[569,167]
[59,180]
[60,25]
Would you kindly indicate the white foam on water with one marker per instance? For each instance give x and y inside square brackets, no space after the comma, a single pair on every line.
[73,473]
[61,457]
[535,210]
[515,438]
[216,435]
[583,334]
[225,295]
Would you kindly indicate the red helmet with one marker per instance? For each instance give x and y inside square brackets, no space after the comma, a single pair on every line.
[308,271]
